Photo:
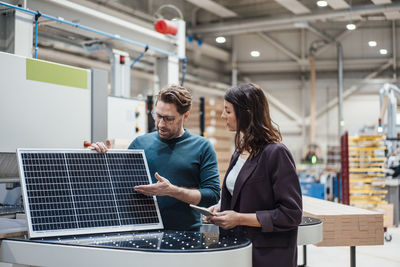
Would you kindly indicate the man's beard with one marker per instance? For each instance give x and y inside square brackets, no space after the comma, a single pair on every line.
[168,133]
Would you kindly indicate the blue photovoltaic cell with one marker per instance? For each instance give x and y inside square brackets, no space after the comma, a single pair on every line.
[85,190]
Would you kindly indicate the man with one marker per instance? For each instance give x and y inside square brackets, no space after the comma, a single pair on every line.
[183,165]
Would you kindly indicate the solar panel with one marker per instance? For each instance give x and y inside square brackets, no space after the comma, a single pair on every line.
[68,192]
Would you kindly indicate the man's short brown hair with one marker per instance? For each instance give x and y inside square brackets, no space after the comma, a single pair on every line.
[177,95]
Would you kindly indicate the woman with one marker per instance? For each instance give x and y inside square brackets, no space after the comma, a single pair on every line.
[261,196]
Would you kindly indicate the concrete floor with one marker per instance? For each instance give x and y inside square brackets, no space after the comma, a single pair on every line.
[387,255]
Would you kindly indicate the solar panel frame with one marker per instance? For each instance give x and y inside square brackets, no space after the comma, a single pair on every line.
[34,233]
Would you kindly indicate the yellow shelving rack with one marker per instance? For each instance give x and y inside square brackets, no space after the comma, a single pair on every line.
[366,171]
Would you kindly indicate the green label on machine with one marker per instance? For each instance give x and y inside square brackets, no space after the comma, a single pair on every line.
[43,71]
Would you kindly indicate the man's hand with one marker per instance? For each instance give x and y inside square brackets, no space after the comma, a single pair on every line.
[100,146]
[163,187]
[226,219]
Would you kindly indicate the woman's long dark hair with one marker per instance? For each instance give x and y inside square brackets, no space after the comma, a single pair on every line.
[252,119]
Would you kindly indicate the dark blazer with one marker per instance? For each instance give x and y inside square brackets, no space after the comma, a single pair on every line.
[268,185]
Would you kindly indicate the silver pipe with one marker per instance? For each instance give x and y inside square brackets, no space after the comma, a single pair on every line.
[394,49]
[313,109]
[302,44]
[303,95]
[340,87]
[234,62]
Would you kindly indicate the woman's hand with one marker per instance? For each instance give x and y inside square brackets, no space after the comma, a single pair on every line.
[227,219]
[214,209]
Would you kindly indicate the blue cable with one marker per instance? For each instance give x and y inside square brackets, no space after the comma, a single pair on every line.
[184,66]
[139,57]
[37,16]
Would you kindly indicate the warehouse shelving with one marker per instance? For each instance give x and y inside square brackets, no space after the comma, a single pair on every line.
[366,171]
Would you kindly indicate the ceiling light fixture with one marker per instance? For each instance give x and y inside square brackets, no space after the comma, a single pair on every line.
[322,3]
[220,39]
[383,51]
[255,53]
[351,27]
[372,43]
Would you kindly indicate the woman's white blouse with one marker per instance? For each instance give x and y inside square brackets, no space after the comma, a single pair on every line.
[233,174]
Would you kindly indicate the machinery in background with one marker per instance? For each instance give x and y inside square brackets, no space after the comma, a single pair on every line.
[322,186]
[310,186]
[388,102]
[42,104]
[312,155]
[10,191]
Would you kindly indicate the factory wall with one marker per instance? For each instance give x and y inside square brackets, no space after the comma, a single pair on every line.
[360,111]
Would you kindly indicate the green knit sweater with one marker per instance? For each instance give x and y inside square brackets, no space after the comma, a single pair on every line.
[187,161]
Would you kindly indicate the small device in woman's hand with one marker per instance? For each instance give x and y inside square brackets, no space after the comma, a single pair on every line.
[202,210]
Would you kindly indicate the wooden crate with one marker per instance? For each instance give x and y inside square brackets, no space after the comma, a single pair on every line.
[387,210]
[345,225]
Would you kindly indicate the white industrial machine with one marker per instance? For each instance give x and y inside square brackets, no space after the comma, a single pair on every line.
[389,94]
[42,104]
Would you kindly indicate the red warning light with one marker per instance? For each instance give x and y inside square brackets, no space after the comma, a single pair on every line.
[121,60]
[165,27]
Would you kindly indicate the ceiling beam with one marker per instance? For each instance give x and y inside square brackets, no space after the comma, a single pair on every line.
[321,65]
[336,39]
[392,15]
[294,6]
[319,33]
[381,2]
[233,31]
[119,10]
[279,46]
[337,4]
[210,51]
[214,8]
[259,25]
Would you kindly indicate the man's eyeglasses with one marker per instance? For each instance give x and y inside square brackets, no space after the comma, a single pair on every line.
[158,117]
